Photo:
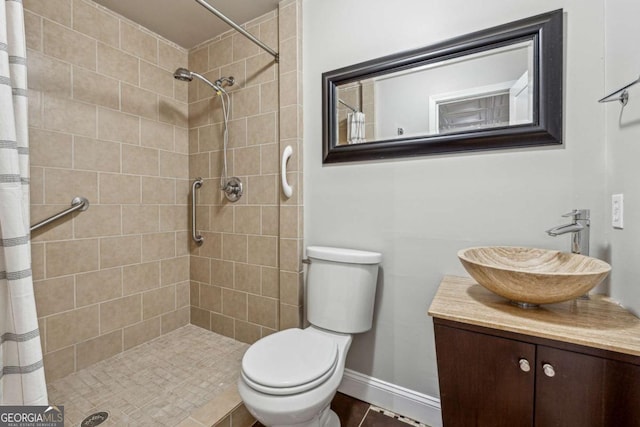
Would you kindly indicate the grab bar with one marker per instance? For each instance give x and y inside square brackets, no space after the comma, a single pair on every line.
[77,204]
[624,94]
[194,234]
[286,188]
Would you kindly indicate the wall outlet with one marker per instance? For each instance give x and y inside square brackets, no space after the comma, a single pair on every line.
[617,211]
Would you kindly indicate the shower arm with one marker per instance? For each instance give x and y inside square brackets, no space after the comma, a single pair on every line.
[239,29]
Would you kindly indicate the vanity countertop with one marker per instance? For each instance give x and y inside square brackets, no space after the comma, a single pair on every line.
[599,322]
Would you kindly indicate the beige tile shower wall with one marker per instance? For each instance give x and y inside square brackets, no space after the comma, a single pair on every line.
[234,274]
[108,122]
[291,213]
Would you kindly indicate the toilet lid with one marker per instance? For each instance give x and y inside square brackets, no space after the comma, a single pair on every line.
[290,358]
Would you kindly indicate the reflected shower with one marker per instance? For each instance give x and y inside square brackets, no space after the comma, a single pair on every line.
[232,187]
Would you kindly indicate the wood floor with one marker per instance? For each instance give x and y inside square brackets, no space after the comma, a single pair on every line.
[356,413]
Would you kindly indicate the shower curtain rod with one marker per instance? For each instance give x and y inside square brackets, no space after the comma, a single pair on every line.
[239,29]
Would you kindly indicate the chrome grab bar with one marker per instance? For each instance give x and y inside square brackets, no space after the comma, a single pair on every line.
[77,204]
[197,183]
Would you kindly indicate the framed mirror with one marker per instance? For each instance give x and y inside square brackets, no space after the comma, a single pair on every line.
[493,89]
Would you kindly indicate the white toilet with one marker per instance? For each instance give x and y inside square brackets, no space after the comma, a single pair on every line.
[289,378]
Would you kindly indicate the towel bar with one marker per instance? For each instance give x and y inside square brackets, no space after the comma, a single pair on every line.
[624,94]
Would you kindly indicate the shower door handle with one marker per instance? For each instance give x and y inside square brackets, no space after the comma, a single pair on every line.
[286,188]
[197,183]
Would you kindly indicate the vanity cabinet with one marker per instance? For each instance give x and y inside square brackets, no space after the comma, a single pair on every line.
[494,378]
[480,381]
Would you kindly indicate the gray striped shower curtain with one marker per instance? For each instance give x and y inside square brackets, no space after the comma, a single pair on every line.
[21,371]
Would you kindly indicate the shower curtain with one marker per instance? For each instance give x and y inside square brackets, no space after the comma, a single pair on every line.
[21,370]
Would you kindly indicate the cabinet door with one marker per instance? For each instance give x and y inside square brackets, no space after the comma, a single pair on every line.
[585,391]
[481,381]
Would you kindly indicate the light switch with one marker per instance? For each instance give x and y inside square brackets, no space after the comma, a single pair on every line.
[617,211]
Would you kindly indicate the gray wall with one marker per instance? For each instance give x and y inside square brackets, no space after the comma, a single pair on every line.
[623,147]
[420,212]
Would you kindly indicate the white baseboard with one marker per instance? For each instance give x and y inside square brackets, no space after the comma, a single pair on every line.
[400,400]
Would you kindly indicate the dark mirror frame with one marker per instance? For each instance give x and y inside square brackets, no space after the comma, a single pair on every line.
[546,31]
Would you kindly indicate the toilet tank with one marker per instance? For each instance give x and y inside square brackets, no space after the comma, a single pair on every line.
[341,288]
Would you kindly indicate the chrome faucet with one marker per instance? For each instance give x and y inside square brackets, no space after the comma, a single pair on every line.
[579,229]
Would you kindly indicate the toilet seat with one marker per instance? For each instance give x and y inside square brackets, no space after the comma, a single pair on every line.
[289,362]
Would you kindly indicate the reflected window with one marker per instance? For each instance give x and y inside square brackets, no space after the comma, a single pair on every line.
[467,114]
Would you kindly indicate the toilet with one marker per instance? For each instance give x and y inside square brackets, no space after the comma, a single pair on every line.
[290,377]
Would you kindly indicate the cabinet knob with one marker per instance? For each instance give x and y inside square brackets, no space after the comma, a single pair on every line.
[524,365]
[548,370]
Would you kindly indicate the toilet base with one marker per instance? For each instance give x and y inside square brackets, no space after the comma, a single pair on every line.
[326,418]
[332,420]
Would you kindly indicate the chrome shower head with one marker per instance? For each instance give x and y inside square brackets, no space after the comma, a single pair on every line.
[186,76]
[183,74]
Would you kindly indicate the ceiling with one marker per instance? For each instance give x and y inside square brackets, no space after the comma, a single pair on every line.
[185,22]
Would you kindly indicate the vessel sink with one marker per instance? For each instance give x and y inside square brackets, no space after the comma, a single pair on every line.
[530,276]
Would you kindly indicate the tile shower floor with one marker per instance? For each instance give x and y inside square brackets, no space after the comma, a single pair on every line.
[159,383]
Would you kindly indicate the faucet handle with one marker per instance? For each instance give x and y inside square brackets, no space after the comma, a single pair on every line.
[577,214]
[573,213]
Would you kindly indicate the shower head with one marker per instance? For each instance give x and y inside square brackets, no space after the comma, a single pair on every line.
[186,76]
[183,74]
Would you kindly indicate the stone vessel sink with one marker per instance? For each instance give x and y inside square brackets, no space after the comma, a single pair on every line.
[533,276]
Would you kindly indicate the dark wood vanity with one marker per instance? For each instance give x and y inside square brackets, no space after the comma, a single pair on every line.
[569,364]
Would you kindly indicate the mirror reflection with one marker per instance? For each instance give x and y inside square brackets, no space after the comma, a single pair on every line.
[493,89]
[488,89]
